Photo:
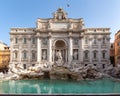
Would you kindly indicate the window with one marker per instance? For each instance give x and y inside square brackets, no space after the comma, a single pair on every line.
[118,51]
[118,57]
[24,40]
[103,55]
[103,40]
[86,40]
[33,55]
[94,40]
[15,55]
[24,55]
[86,55]
[118,43]
[95,30]
[94,55]
[16,40]
[33,40]
[119,35]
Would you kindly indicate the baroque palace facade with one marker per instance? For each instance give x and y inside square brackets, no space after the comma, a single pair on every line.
[60,40]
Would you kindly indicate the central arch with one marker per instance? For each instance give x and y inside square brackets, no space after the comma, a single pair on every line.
[60,43]
[60,46]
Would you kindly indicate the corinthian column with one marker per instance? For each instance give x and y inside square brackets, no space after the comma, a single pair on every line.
[50,49]
[38,49]
[70,50]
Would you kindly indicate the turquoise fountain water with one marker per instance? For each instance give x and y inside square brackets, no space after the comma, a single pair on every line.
[60,87]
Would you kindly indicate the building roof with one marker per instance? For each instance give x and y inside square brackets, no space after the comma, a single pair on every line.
[2,45]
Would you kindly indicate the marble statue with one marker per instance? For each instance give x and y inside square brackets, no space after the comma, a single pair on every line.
[59,55]
[44,56]
[55,15]
[75,55]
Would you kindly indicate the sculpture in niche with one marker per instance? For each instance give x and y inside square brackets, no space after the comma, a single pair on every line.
[59,55]
[75,55]
[44,55]
[64,16]
[55,15]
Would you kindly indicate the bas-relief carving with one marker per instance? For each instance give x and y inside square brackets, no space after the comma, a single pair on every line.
[75,41]
[59,25]
[44,41]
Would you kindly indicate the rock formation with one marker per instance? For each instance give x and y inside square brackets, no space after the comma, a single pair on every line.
[63,72]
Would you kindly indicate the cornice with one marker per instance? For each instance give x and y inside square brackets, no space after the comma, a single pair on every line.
[61,30]
[21,33]
[98,33]
[98,28]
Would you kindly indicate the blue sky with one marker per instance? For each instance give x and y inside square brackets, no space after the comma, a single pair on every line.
[24,13]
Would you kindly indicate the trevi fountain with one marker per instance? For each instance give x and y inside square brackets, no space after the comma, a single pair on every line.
[64,57]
